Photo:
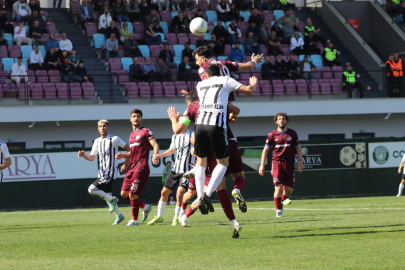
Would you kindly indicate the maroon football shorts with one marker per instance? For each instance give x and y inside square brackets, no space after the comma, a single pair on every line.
[283,173]
[135,182]
[191,183]
[235,159]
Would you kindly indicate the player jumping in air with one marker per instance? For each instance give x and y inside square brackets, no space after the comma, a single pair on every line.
[285,144]
[106,146]
[401,185]
[181,143]
[140,141]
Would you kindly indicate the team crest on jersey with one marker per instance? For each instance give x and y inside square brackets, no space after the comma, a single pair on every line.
[275,181]
[137,137]
[267,141]
[150,132]
[289,139]
[136,181]
[276,140]
[191,185]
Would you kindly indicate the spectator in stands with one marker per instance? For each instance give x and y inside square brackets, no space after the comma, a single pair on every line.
[74,58]
[330,56]
[131,44]
[120,12]
[297,44]
[220,32]
[288,32]
[202,42]
[3,41]
[144,8]
[18,71]
[237,54]
[293,68]
[234,33]
[279,32]
[82,73]
[62,56]
[59,3]
[10,82]
[113,30]
[37,17]
[86,13]
[186,70]
[111,48]
[188,5]
[198,14]
[286,5]
[350,83]
[36,34]
[150,36]
[290,17]
[152,18]
[394,74]
[256,18]
[52,60]
[148,70]
[163,71]
[65,44]
[178,24]
[20,35]
[104,21]
[253,28]
[274,43]
[265,33]
[167,55]
[52,43]
[175,5]
[69,72]
[36,59]
[21,11]
[307,69]
[223,11]
[310,44]
[216,46]
[106,5]
[5,24]
[309,27]
[280,67]
[124,32]
[188,19]
[135,70]
[33,6]
[267,5]
[133,12]
[235,13]
[187,52]
[252,45]
[243,4]
[267,68]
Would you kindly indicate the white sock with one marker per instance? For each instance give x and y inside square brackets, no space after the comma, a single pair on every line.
[279,210]
[199,174]
[237,189]
[161,208]
[177,211]
[145,207]
[401,187]
[117,211]
[234,222]
[216,179]
[100,194]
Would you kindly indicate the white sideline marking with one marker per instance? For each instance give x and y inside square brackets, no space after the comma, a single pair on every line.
[330,209]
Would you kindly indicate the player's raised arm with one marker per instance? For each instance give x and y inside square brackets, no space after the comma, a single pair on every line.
[155,146]
[300,160]
[85,156]
[256,59]
[248,89]
[174,116]
[265,153]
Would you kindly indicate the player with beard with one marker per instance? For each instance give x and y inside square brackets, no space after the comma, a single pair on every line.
[140,141]
[285,145]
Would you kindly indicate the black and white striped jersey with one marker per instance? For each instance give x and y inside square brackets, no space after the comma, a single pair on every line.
[181,143]
[213,94]
[4,153]
[106,149]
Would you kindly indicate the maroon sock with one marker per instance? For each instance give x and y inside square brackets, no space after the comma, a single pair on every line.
[184,205]
[277,202]
[239,183]
[283,198]
[141,204]
[190,211]
[226,204]
[135,209]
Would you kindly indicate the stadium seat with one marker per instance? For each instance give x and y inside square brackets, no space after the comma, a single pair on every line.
[9,38]
[14,51]
[203,4]
[313,86]
[169,89]
[144,89]
[26,51]
[144,50]
[164,27]
[174,14]
[265,87]
[157,89]
[31,75]
[126,62]
[155,50]
[54,76]
[222,57]
[327,73]
[245,15]
[138,28]
[166,16]
[114,64]
[131,89]
[325,86]
[24,91]
[337,72]
[337,86]
[98,40]
[212,15]
[180,85]
[36,91]
[178,49]
[285,48]
[122,77]
[88,90]
[171,38]
[1,92]
[51,27]
[317,60]
[91,29]
[75,90]
[290,88]
[42,76]
[278,14]
[49,90]
[182,38]
[177,60]
[74,7]
[302,87]
[7,63]
[162,36]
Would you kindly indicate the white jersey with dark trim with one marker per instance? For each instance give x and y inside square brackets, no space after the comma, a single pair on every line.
[106,149]
[181,143]
[4,153]
[213,94]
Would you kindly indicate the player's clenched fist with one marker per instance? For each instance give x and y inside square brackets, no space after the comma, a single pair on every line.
[118,156]
[124,168]
[80,154]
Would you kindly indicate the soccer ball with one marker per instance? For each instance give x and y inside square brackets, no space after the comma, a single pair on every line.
[198,26]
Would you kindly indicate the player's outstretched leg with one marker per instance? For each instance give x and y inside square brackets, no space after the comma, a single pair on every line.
[119,217]
[216,178]
[401,187]
[238,186]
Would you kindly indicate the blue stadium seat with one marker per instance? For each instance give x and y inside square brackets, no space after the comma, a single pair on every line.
[222,57]
[300,34]
[207,36]
[240,47]
[177,60]
[178,49]
[317,60]
[259,65]
[164,27]
[174,14]
[272,23]
[98,40]
[223,24]
[245,15]
[24,61]
[193,47]
[9,38]
[278,14]
[301,57]
[226,24]
[211,15]
[27,28]
[162,36]
[130,27]
[126,62]
[7,63]
[144,50]
[26,51]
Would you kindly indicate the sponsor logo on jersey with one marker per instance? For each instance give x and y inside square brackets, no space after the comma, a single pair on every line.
[137,181]
[275,181]
[134,144]
[276,140]
[282,145]
[289,139]
[212,106]
[150,132]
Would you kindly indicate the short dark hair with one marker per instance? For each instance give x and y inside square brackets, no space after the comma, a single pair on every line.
[281,114]
[192,97]
[212,70]
[188,43]
[81,62]
[19,58]
[137,111]
[203,51]
[74,49]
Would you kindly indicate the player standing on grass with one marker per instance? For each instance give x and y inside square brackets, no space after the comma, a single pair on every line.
[106,146]
[285,144]
[140,141]
[5,159]
[401,185]
[181,144]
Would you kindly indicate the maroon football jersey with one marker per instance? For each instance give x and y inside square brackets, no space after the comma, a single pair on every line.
[140,148]
[283,143]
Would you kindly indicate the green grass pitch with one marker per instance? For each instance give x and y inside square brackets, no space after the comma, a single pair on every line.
[355,233]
